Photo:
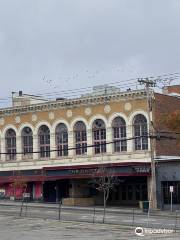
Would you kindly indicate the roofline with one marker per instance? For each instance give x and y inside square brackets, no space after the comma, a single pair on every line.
[167,95]
[167,158]
[84,100]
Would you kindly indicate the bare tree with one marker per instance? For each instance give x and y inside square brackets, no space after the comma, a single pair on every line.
[20,184]
[104,180]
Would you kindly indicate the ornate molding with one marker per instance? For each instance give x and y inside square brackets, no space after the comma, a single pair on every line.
[2,121]
[83,101]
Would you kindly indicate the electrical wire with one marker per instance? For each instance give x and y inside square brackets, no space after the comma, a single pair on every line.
[72,93]
[96,145]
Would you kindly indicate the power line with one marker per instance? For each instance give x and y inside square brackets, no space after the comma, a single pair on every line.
[78,92]
[169,132]
[80,147]
[95,145]
[121,84]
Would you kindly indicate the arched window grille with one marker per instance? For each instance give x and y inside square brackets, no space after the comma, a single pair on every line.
[140,132]
[62,140]
[80,138]
[119,133]
[44,141]
[99,136]
[27,142]
[10,140]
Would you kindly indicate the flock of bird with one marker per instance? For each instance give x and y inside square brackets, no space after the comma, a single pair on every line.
[90,76]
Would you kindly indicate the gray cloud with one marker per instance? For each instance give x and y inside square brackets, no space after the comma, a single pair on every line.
[69,41]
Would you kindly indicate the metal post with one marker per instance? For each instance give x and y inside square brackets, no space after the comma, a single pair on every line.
[175,225]
[133,218]
[26,206]
[94,212]
[104,210]
[60,205]
[171,202]
[57,192]
[21,208]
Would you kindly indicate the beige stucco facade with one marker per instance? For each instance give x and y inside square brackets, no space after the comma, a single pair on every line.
[86,109]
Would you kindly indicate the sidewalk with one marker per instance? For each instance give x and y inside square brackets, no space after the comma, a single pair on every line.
[110,209]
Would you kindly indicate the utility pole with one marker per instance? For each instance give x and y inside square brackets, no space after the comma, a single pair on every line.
[153,198]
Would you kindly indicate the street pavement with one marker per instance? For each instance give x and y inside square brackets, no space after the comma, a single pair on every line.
[124,217]
[13,228]
[42,220]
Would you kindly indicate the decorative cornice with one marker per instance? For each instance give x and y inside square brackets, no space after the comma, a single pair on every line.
[69,103]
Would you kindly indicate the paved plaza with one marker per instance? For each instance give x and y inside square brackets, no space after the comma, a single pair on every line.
[40,221]
[13,228]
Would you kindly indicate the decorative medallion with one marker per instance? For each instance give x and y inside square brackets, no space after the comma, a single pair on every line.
[51,115]
[127,106]
[17,119]
[69,113]
[107,109]
[34,117]
[2,121]
[88,111]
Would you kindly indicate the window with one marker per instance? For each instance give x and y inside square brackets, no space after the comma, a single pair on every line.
[80,138]
[27,142]
[44,141]
[62,140]
[119,133]
[10,140]
[99,136]
[140,132]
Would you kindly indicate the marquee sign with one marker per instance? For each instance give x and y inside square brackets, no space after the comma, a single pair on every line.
[116,171]
[142,169]
[76,172]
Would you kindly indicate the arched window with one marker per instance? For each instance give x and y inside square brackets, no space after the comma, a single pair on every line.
[62,140]
[44,141]
[140,132]
[27,142]
[99,136]
[10,144]
[80,138]
[119,133]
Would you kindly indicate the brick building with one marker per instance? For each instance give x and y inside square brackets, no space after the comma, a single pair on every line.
[167,150]
[56,147]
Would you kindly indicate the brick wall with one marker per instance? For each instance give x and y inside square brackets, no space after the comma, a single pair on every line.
[172,89]
[163,106]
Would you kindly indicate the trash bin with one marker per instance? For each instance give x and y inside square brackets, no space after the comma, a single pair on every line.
[145,206]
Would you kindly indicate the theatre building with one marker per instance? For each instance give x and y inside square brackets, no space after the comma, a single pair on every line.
[55,148]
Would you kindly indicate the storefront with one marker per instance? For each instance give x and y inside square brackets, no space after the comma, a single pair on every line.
[168,174]
[72,184]
[129,191]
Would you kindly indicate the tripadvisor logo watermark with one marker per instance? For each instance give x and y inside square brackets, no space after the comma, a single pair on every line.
[143,231]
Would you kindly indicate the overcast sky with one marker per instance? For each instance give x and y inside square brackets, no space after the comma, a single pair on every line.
[80,43]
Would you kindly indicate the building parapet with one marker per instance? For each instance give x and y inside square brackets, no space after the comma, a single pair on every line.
[67,103]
